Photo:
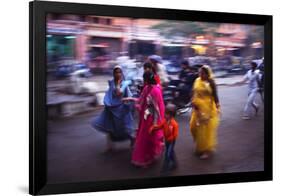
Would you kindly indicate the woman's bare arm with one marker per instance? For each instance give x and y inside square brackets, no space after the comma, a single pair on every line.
[130,99]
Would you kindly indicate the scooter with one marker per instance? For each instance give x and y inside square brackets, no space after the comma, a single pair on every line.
[178,92]
[172,94]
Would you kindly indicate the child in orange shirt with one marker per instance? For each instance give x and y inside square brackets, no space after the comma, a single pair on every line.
[170,128]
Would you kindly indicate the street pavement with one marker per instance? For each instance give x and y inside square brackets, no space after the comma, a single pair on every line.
[76,152]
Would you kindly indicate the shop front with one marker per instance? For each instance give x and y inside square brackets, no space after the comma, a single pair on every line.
[64,43]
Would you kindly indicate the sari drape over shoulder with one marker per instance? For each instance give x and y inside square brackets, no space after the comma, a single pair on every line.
[204,121]
[116,118]
[148,147]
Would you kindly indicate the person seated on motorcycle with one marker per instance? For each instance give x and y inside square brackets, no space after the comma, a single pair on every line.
[186,79]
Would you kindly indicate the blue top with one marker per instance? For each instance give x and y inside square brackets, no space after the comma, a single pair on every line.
[116,118]
[111,99]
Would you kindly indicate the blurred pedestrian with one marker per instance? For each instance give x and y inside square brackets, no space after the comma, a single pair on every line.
[187,78]
[171,130]
[116,120]
[148,67]
[159,68]
[205,115]
[148,147]
[261,80]
[253,76]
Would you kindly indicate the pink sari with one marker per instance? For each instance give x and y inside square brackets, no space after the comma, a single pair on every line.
[149,147]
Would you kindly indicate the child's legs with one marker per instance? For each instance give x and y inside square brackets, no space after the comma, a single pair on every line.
[167,151]
[173,151]
[170,151]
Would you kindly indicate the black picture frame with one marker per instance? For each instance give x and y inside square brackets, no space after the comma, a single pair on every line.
[37,97]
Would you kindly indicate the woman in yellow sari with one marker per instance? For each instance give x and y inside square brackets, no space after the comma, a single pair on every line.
[205,115]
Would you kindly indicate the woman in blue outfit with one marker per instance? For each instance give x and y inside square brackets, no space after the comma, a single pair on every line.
[116,120]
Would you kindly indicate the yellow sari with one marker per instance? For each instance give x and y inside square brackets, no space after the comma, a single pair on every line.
[204,121]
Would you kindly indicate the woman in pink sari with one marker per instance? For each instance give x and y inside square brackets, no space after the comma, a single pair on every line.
[148,147]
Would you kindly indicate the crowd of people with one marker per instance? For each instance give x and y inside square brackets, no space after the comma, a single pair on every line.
[157,129]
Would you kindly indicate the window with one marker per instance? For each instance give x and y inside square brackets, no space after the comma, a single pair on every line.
[95,20]
[108,21]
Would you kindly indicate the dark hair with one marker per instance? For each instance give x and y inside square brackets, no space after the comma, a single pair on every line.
[150,66]
[212,85]
[254,64]
[147,65]
[205,71]
[114,70]
[185,62]
[171,110]
[148,77]
[153,61]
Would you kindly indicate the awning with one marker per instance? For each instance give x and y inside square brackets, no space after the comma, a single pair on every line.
[229,44]
[109,34]
[64,31]
[173,45]
[98,45]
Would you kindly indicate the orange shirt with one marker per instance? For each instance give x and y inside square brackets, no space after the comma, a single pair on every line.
[171,129]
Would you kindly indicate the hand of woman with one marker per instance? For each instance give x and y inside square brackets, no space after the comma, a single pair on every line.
[151,129]
[128,99]
[119,82]
[218,108]
[194,106]
[118,92]
[203,118]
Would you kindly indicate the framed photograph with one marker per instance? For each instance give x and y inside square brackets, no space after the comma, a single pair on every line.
[134,97]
